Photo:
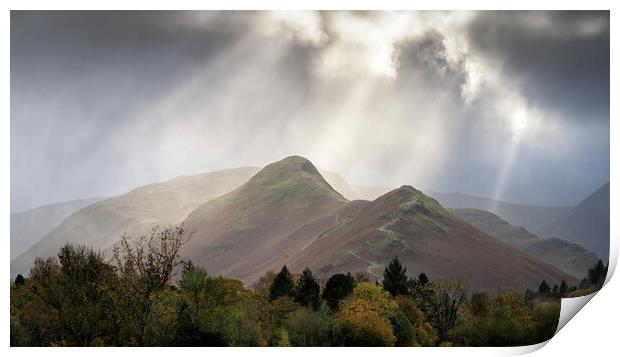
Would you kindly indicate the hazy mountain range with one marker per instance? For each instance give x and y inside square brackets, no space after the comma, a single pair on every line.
[247,221]
[569,257]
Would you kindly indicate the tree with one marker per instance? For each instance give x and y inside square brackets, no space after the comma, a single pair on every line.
[307,292]
[596,275]
[423,293]
[361,323]
[309,328]
[338,287]
[555,292]
[450,294]
[264,283]
[544,290]
[282,285]
[395,278]
[563,290]
[19,280]
[376,296]
[403,330]
[546,317]
[144,265]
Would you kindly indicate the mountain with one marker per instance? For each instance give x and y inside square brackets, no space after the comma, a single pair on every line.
[569,257]
[427,238]
[531,217]
[28,227]
[101,224]
[587,224]
[250,230]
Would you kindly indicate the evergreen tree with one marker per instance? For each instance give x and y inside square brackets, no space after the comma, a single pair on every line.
[544,289]
[555,291]
[597,274]
[422,279]
[282,285]
[423,293]
[395,278]
[308,290]
[337,288]
[19,280]
[563,289]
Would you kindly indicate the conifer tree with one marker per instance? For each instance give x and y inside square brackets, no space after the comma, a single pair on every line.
[544,289]
[563,289]
[337,288]
[282,285]
[308,290]
[395,278]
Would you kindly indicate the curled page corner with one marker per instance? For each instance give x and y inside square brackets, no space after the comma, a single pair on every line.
[570,307]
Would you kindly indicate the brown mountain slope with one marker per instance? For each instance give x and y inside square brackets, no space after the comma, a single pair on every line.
[253,228]
[102,224]
[427,238]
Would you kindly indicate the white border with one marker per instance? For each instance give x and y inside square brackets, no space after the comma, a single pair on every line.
[591,331]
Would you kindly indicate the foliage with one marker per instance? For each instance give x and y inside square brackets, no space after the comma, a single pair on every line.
[282,285]
[395,278]
[307,327]
[307,291]
[360,322]
[80,299]
[450,294]
[338,287]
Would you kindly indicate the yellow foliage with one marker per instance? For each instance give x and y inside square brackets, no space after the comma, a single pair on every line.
[362,323]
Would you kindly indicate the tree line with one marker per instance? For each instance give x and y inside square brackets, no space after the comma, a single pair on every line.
[133,299]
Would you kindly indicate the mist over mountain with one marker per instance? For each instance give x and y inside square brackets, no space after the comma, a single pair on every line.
[587,224]
[567,256]
[29,226]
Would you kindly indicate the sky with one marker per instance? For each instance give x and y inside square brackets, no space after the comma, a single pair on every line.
[507,105]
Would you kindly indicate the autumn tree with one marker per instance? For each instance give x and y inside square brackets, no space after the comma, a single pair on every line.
[450,294]
[145,266]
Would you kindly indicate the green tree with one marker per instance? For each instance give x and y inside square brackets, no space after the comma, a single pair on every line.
[338,287]
[403,330]
[596,275]
[309,328]
[544,290]
[546,317]
[563,290]
[395,279]
[19,280]
[282,285]
[307,291]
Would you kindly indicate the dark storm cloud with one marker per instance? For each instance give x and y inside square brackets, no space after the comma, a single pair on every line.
[102,102]
[561,58]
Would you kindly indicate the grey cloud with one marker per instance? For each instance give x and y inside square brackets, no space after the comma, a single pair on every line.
[562,64]
[102,102]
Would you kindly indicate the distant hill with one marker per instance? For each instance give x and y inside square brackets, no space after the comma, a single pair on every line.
[531,217]
[586,224]
[28,227]
[249,230]
[101,224]
[567,256]
[427,238]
